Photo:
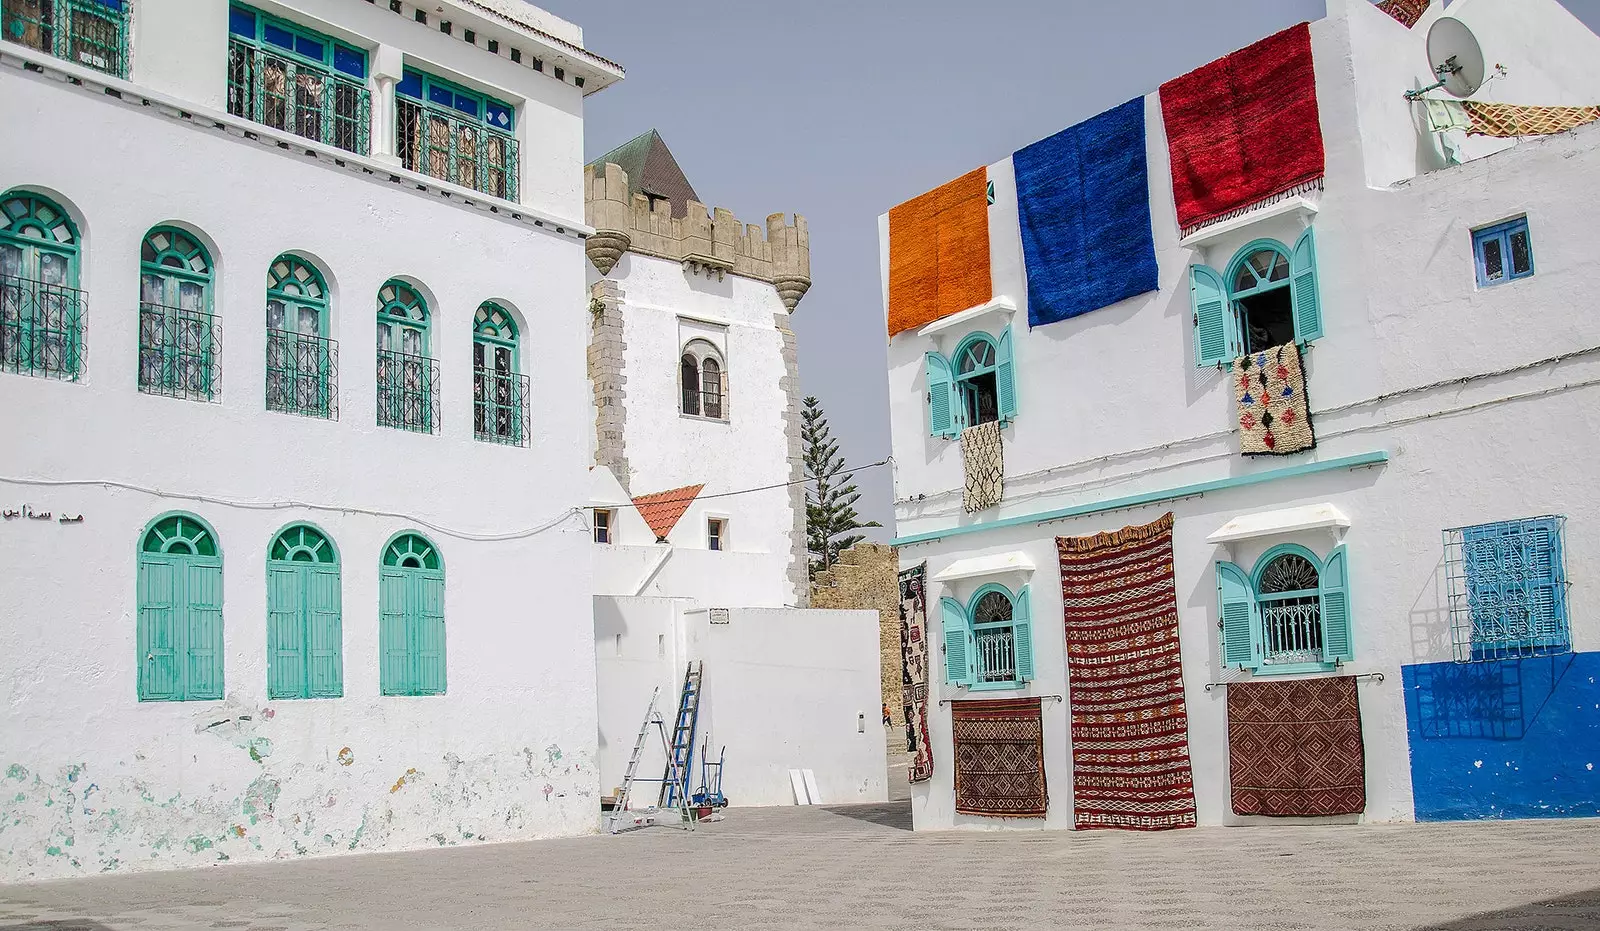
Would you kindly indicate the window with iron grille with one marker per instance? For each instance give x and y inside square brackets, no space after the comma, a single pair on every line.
[296,79]
[408,379]
[180,341]
[988,641]
[1507,584]
[41,308]
[454,134]
[92,33]
[302,362]
[1291,614]
[499,392]
[702,381]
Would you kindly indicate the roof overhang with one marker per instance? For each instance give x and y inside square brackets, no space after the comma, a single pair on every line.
[981,566]
[1286,520]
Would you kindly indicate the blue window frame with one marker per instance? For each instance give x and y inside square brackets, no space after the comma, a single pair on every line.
[263,31]
[1290,614]
[1503,252]
[1508,589]
[419,85]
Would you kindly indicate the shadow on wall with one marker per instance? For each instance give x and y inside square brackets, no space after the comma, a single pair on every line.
[1577,912]
[1430,618]
[1509,739]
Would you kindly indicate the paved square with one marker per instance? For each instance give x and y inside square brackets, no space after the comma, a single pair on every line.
[858,867]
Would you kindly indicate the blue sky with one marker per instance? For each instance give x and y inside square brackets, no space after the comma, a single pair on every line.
[840,109]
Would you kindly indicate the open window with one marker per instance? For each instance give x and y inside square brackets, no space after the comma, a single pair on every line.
[1267,297]
[702,381]
[975,385]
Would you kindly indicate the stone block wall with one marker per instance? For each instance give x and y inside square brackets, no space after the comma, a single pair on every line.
[867,576]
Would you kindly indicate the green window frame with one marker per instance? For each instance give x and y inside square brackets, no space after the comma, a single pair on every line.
[92,33]
[499,390]
[41,307]
[180,340]
[294,78]
[302,361]
[976,384]
[456,134]
[1222,331]
[305,633]
[1289,614]
[408,377]
[411,628]
[989,640]
[179,597]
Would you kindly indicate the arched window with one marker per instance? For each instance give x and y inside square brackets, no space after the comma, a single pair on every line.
[1292,614]
[41,308]
[702,380]
[1267,297]
[989,640]
[178,335]
[499,392]
[1259,289]
[976,384]
[305,633]
[975,378]
[411,618]
[302,362]
[179,632]
[408,379]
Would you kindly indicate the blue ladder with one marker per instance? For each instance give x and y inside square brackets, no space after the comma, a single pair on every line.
[675,780]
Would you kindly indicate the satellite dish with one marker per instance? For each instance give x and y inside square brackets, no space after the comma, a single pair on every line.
[1455,58]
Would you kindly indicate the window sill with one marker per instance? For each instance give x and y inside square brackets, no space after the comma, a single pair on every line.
[1288,669]
[997,686]
[702,418]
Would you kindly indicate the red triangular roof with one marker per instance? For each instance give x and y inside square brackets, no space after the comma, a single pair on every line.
[662,509]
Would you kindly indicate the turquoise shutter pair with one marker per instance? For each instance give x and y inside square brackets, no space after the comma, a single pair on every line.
[1241,615]
[959,662]
[1217,340]
[1537,580]
[947,413]
[304,631]
[411,631]
[179,627]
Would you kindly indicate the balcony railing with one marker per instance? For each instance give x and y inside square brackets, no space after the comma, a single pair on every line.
[500,407]
[302,374]
[180,352]
[302,99]
[1291,631]
[92,33]
[997,655]
[408,392]
[442,144]
[41,328]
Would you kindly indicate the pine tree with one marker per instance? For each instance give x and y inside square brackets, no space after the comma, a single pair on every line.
[830,496]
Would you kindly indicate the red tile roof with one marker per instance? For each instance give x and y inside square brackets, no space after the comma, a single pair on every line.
[662,509]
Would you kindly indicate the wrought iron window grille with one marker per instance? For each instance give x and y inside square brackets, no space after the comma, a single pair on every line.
[41,329]
[500,407]
[310,101]
[996,654]
[408,392]
[302,374]
[180,352]
[92,33]
[433,141]
[1507,589]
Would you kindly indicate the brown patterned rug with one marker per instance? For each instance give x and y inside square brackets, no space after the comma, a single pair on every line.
[999,758]
[914,669]
[1294,748]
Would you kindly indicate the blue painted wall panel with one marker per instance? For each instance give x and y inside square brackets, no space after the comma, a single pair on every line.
[1508,739]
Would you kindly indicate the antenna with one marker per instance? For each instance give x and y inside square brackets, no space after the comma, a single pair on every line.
[1454,57]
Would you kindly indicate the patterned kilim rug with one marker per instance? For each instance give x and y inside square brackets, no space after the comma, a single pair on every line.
[1294,748]
[914,668]
[1270,390]
[1130,728]
[999,758]
[1508,120]
[1407,12]
[983,465]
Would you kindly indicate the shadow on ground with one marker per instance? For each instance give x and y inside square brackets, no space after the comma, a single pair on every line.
[1577,912]
[888,814]
[69,924]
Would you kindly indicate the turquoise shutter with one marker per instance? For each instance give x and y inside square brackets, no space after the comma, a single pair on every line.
[158,636]
[394,670]
[942,407]
[324,631]
[1005,385]
[286,657]
[203,591]
[427,626]
[1236,604]
[1335,585]
[1214,338]
[1546,581]
[957,658]
[1022,635]
[1303,283]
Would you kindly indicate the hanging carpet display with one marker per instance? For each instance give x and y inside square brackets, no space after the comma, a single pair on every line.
[1130,727]
[983,466]
[939,253]
[1083,204]
[1244,130]
[1269,390]
[914,669]
[1508,120]
[1294,748]
[1407,12]
[999,750]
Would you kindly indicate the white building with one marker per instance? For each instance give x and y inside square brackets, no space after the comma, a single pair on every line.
[698,505]
[296,418]
[1451,373]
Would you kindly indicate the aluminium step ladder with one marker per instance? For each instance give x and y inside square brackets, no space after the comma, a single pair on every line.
[621,819]
[680,761]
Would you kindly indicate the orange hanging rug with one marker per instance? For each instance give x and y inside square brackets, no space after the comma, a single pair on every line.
[939,253]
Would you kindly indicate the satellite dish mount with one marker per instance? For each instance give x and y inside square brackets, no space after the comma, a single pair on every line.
[1455,58]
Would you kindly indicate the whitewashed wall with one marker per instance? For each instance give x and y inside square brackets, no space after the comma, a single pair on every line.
[99,781]
[1110,403]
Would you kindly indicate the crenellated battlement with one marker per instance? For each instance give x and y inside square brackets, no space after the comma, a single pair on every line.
[706,243]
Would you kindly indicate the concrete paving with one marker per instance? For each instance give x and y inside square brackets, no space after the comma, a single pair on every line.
[860,868]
